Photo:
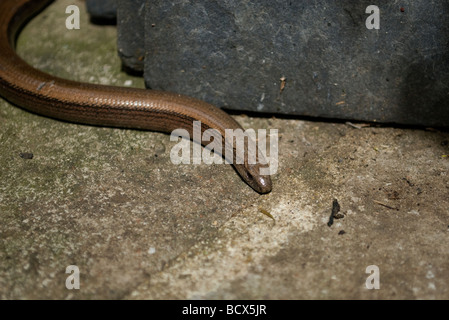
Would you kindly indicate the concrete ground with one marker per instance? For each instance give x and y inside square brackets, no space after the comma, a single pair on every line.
[139,227]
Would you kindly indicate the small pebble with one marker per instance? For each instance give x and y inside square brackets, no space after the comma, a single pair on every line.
[26,155]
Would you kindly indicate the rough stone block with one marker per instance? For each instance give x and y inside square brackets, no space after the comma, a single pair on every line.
[131,31]
[235,53]
[102,10]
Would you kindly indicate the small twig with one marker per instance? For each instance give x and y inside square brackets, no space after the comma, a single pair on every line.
[283,80]
[265,212]
[335,213]
[358,126]
[353,125]
[385,205]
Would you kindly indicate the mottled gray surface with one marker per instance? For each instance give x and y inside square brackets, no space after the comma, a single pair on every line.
[131,34]
[102,10]
[111,202]
[233,54]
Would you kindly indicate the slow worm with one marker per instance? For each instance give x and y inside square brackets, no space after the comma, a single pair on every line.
[102,105]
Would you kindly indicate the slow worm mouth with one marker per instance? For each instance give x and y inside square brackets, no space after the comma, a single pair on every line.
[263,184]
[251,174]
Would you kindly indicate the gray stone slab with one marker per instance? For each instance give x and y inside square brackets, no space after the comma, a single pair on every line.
[131,32]
[130,18]
[235,53]
[102,9]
